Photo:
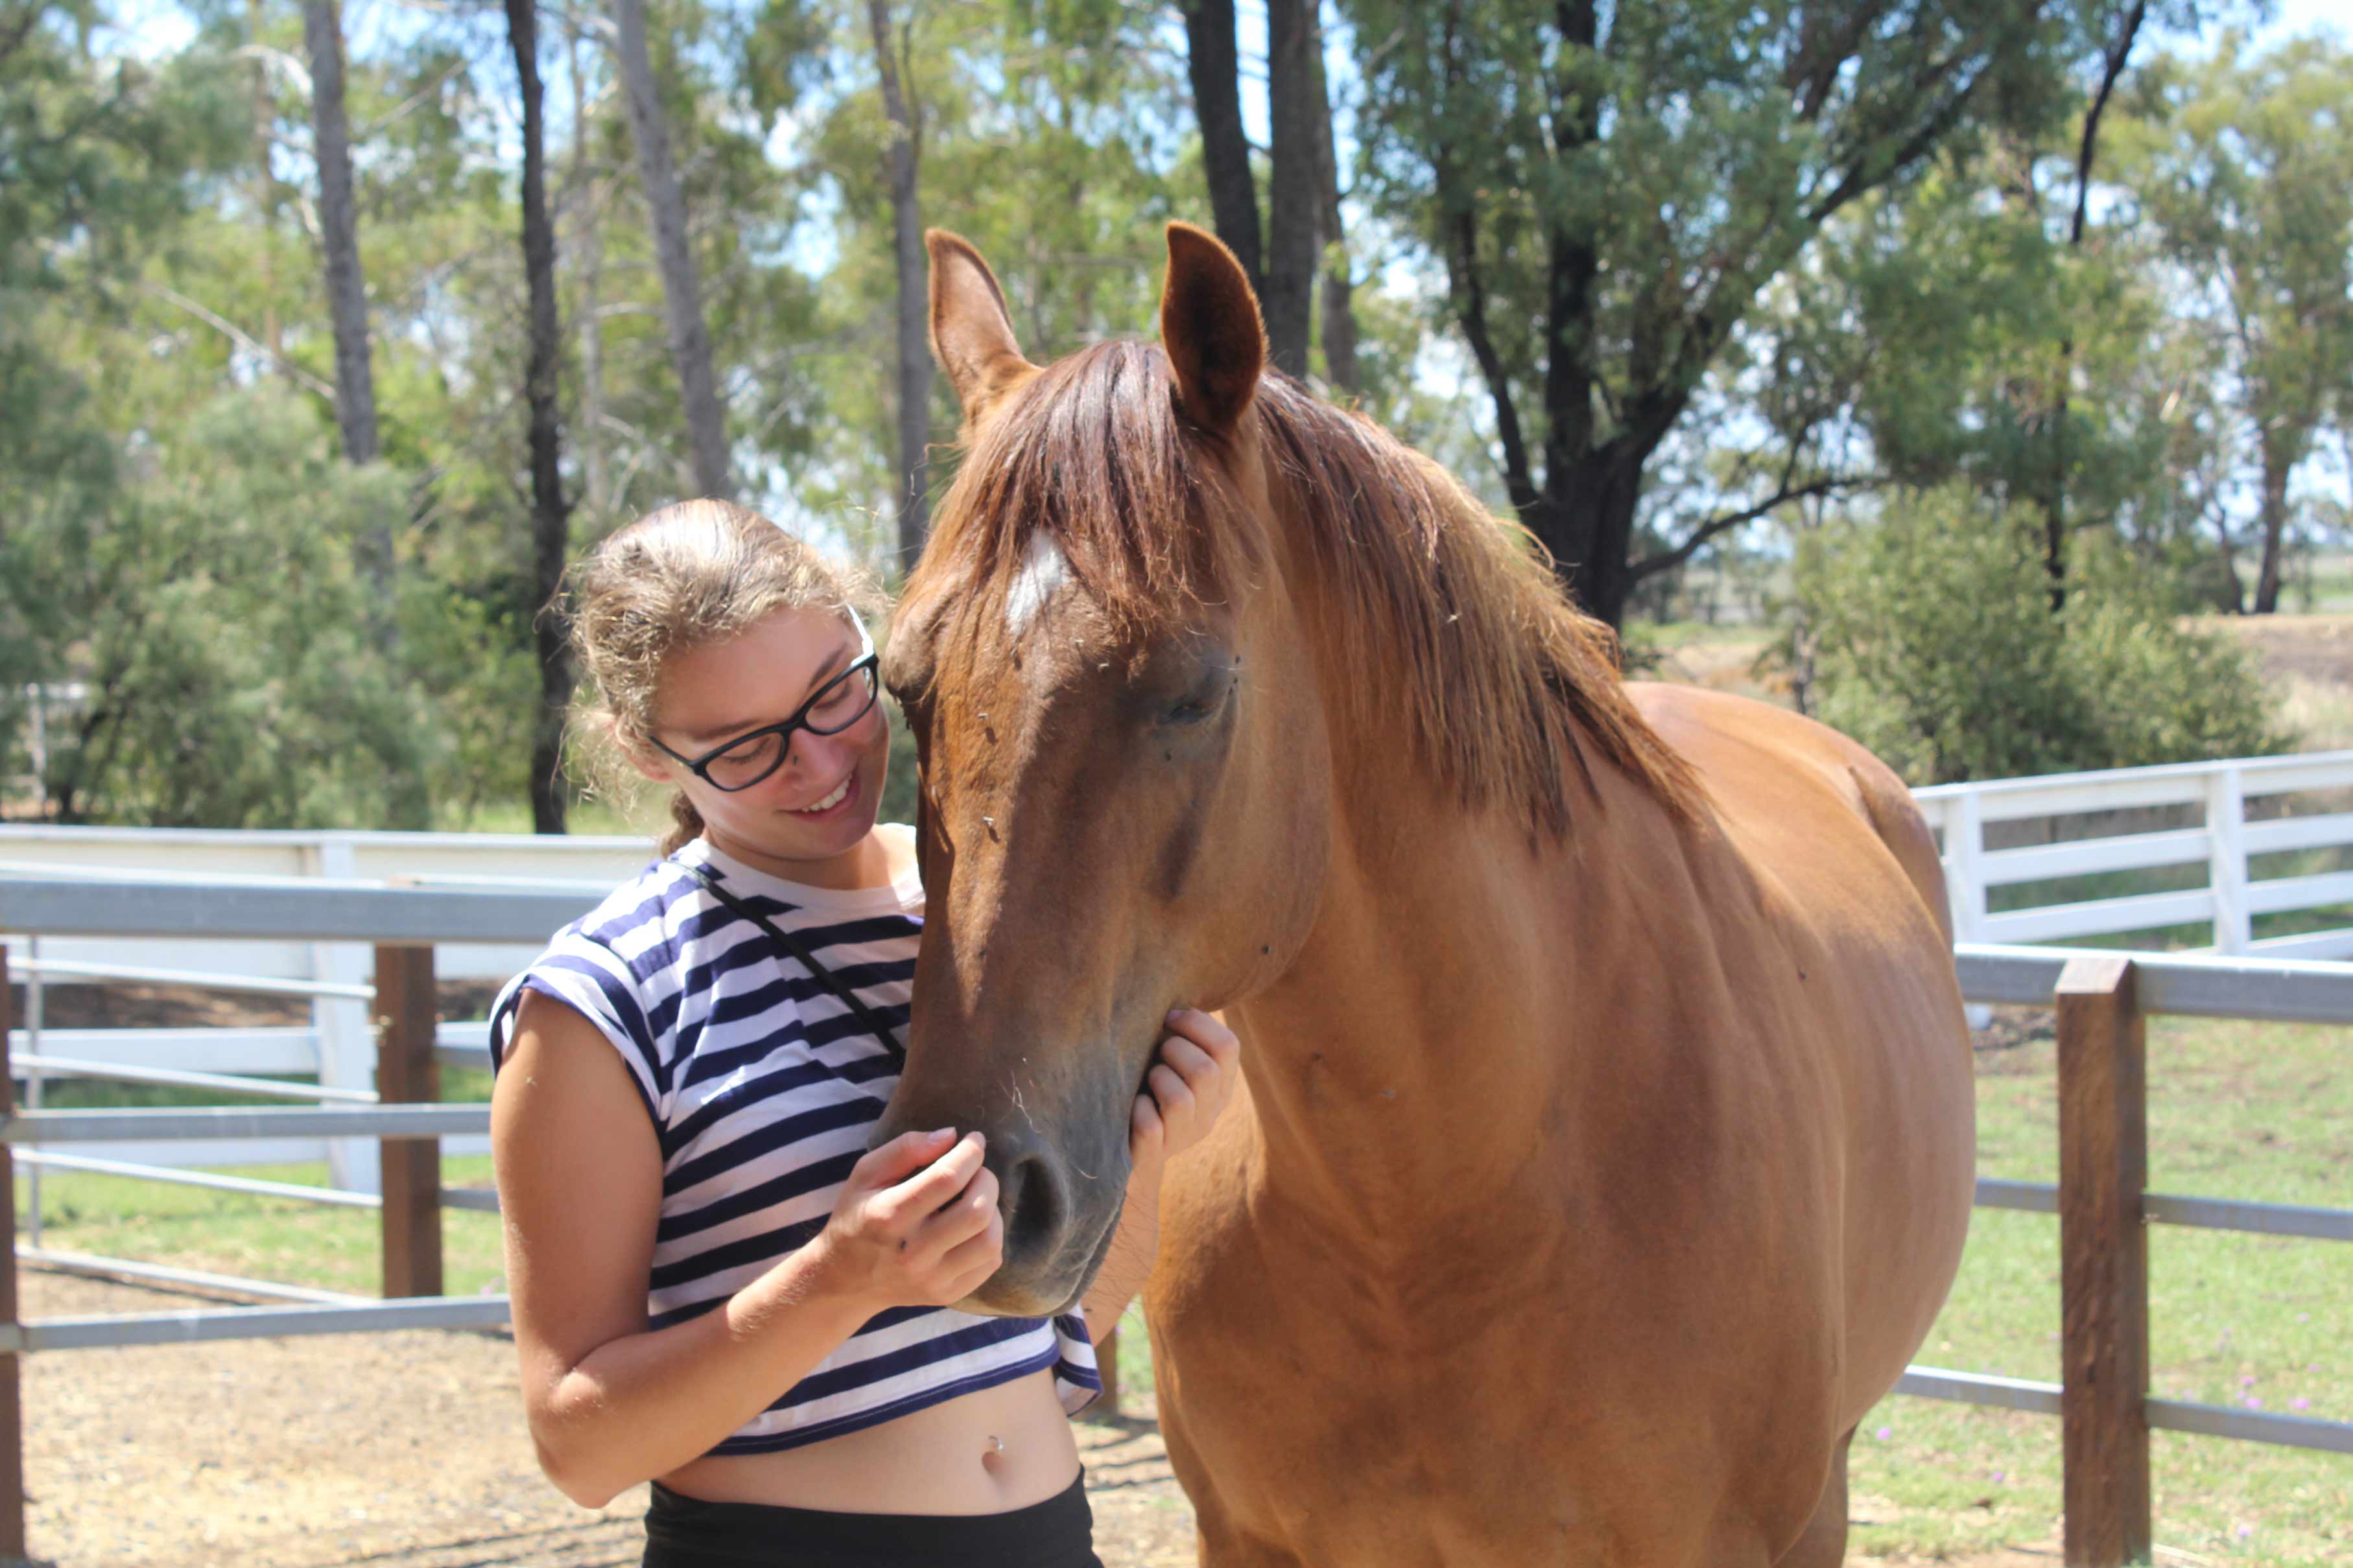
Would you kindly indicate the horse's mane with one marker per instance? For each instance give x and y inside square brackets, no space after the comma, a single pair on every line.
[1452,631]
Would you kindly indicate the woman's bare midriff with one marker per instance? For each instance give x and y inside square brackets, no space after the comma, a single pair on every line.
[989,1452]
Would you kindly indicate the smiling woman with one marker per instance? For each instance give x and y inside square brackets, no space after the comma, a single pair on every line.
[718,1285]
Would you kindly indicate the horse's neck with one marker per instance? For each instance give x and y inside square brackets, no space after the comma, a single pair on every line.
[1410,1058]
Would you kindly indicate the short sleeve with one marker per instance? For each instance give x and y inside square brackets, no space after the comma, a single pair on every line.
[595,983]
[1077,1379]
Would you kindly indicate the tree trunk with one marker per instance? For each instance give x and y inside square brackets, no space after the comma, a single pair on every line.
[2054,550]
[1338,307]
[2281,452]
[1214,62]
[339,237]
[265,189]
[1586,518]
[1295,191]
[690,339]
[588,245]
[914,309]
[549,509]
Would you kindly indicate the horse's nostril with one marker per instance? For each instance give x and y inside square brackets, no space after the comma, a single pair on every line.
[1032,1199]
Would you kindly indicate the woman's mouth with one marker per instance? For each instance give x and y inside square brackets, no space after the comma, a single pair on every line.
[831,803]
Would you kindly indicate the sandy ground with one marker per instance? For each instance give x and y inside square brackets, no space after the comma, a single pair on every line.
[386,1450]
[403,1451]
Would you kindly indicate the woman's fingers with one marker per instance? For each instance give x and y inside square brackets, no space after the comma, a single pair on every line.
[1173,1093]
[907,1205]
[1192,1063]
[966,1217]
[965,1267]
[1208,1031]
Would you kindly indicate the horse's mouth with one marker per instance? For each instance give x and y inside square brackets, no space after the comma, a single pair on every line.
[1028,1305]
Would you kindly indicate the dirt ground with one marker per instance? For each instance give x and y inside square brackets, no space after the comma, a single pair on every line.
[400,1450]
[406,1451]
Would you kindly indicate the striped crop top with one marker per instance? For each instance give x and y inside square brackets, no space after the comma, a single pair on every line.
[762,1090]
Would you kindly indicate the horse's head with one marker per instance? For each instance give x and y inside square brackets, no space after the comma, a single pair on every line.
[1125,766]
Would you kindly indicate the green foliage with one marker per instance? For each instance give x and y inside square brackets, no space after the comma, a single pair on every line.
[232,682]
[1934,646]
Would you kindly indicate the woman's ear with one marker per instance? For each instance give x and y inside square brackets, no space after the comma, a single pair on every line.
[648,763]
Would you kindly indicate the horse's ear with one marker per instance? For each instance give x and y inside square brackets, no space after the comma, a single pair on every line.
[972,332]
[1209,324]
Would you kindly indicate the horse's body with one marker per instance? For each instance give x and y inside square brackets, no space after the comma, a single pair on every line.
[1584,1199]
[1606,1143]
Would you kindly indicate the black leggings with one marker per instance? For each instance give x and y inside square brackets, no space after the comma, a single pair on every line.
[688,1532]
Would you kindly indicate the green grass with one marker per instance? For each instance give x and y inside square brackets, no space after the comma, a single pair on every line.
[2244,1110]
[2237,1110]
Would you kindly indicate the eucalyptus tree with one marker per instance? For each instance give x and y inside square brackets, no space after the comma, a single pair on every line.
[894,50]
[2242,167]
[551,509]
[1611,190]
[690,333]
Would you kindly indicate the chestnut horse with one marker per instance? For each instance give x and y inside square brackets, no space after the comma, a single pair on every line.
[1605,1143]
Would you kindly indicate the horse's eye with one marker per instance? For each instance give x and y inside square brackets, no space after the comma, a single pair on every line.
[1192,711]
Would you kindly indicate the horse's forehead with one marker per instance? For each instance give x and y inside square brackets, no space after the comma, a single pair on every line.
[1045,571]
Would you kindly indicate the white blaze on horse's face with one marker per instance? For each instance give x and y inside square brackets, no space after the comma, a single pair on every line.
[1044,569]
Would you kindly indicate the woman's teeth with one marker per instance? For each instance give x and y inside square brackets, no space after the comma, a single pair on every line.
[840,791]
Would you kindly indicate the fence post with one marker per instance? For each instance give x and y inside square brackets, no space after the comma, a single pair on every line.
[342,1025]
[2226,818]
[2104,1262]
[1965,888]
[12,1413]
[407,1072]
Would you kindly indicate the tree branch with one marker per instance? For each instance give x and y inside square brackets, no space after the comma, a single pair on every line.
[244,340]
[1668,560]
[1470,294]
[2113,67]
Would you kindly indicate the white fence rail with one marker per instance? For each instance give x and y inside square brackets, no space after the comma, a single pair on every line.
[2223,844]
[336,1047]
[2123,821]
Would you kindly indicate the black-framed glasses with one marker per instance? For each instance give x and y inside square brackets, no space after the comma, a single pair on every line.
[740,764]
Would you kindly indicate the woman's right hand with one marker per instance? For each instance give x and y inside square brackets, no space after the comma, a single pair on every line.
[916,1224]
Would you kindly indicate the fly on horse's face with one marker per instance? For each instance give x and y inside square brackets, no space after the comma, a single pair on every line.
[1125,767]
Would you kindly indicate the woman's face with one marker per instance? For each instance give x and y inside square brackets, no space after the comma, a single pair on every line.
[821,802]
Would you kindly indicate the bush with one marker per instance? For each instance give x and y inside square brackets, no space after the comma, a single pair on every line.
[228,645]
[1935,645]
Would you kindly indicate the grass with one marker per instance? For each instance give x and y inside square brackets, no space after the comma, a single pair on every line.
[2237,1110]
[2244,1110]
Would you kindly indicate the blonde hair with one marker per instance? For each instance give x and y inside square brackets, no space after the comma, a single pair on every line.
[682,577]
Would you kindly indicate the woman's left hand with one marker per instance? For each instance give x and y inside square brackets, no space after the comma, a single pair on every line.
[1186,1088]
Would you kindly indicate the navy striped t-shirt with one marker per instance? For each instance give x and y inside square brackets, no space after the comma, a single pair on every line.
[763,1088]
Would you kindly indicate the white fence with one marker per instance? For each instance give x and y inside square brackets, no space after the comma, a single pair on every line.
[2135,820]
[2224,842]
[336,1044]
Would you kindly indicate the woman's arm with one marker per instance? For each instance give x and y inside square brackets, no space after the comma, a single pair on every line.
[579,1177]
[1189,1088]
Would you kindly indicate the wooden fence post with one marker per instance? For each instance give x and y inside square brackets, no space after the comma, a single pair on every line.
[2104,1262]
[407,1071]
[11,1412]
